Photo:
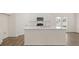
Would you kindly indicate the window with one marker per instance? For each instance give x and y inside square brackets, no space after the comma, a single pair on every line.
[61,22]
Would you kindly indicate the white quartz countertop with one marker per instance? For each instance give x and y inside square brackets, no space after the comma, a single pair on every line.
[41,27]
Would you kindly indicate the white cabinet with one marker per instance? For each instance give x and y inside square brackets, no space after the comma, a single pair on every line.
[44,37]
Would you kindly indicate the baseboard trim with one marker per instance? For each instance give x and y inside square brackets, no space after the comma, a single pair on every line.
[19,35]
[13,37]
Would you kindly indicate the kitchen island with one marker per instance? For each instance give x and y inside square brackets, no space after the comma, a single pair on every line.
[44,36]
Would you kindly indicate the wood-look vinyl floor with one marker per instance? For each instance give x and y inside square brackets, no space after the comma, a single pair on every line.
[73,40]
[13,41]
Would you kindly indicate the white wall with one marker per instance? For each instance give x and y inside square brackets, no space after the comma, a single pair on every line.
[7,25]
[12,25]
[3,26]
[77,22]
[71,23]
[21,20]
[24,18]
